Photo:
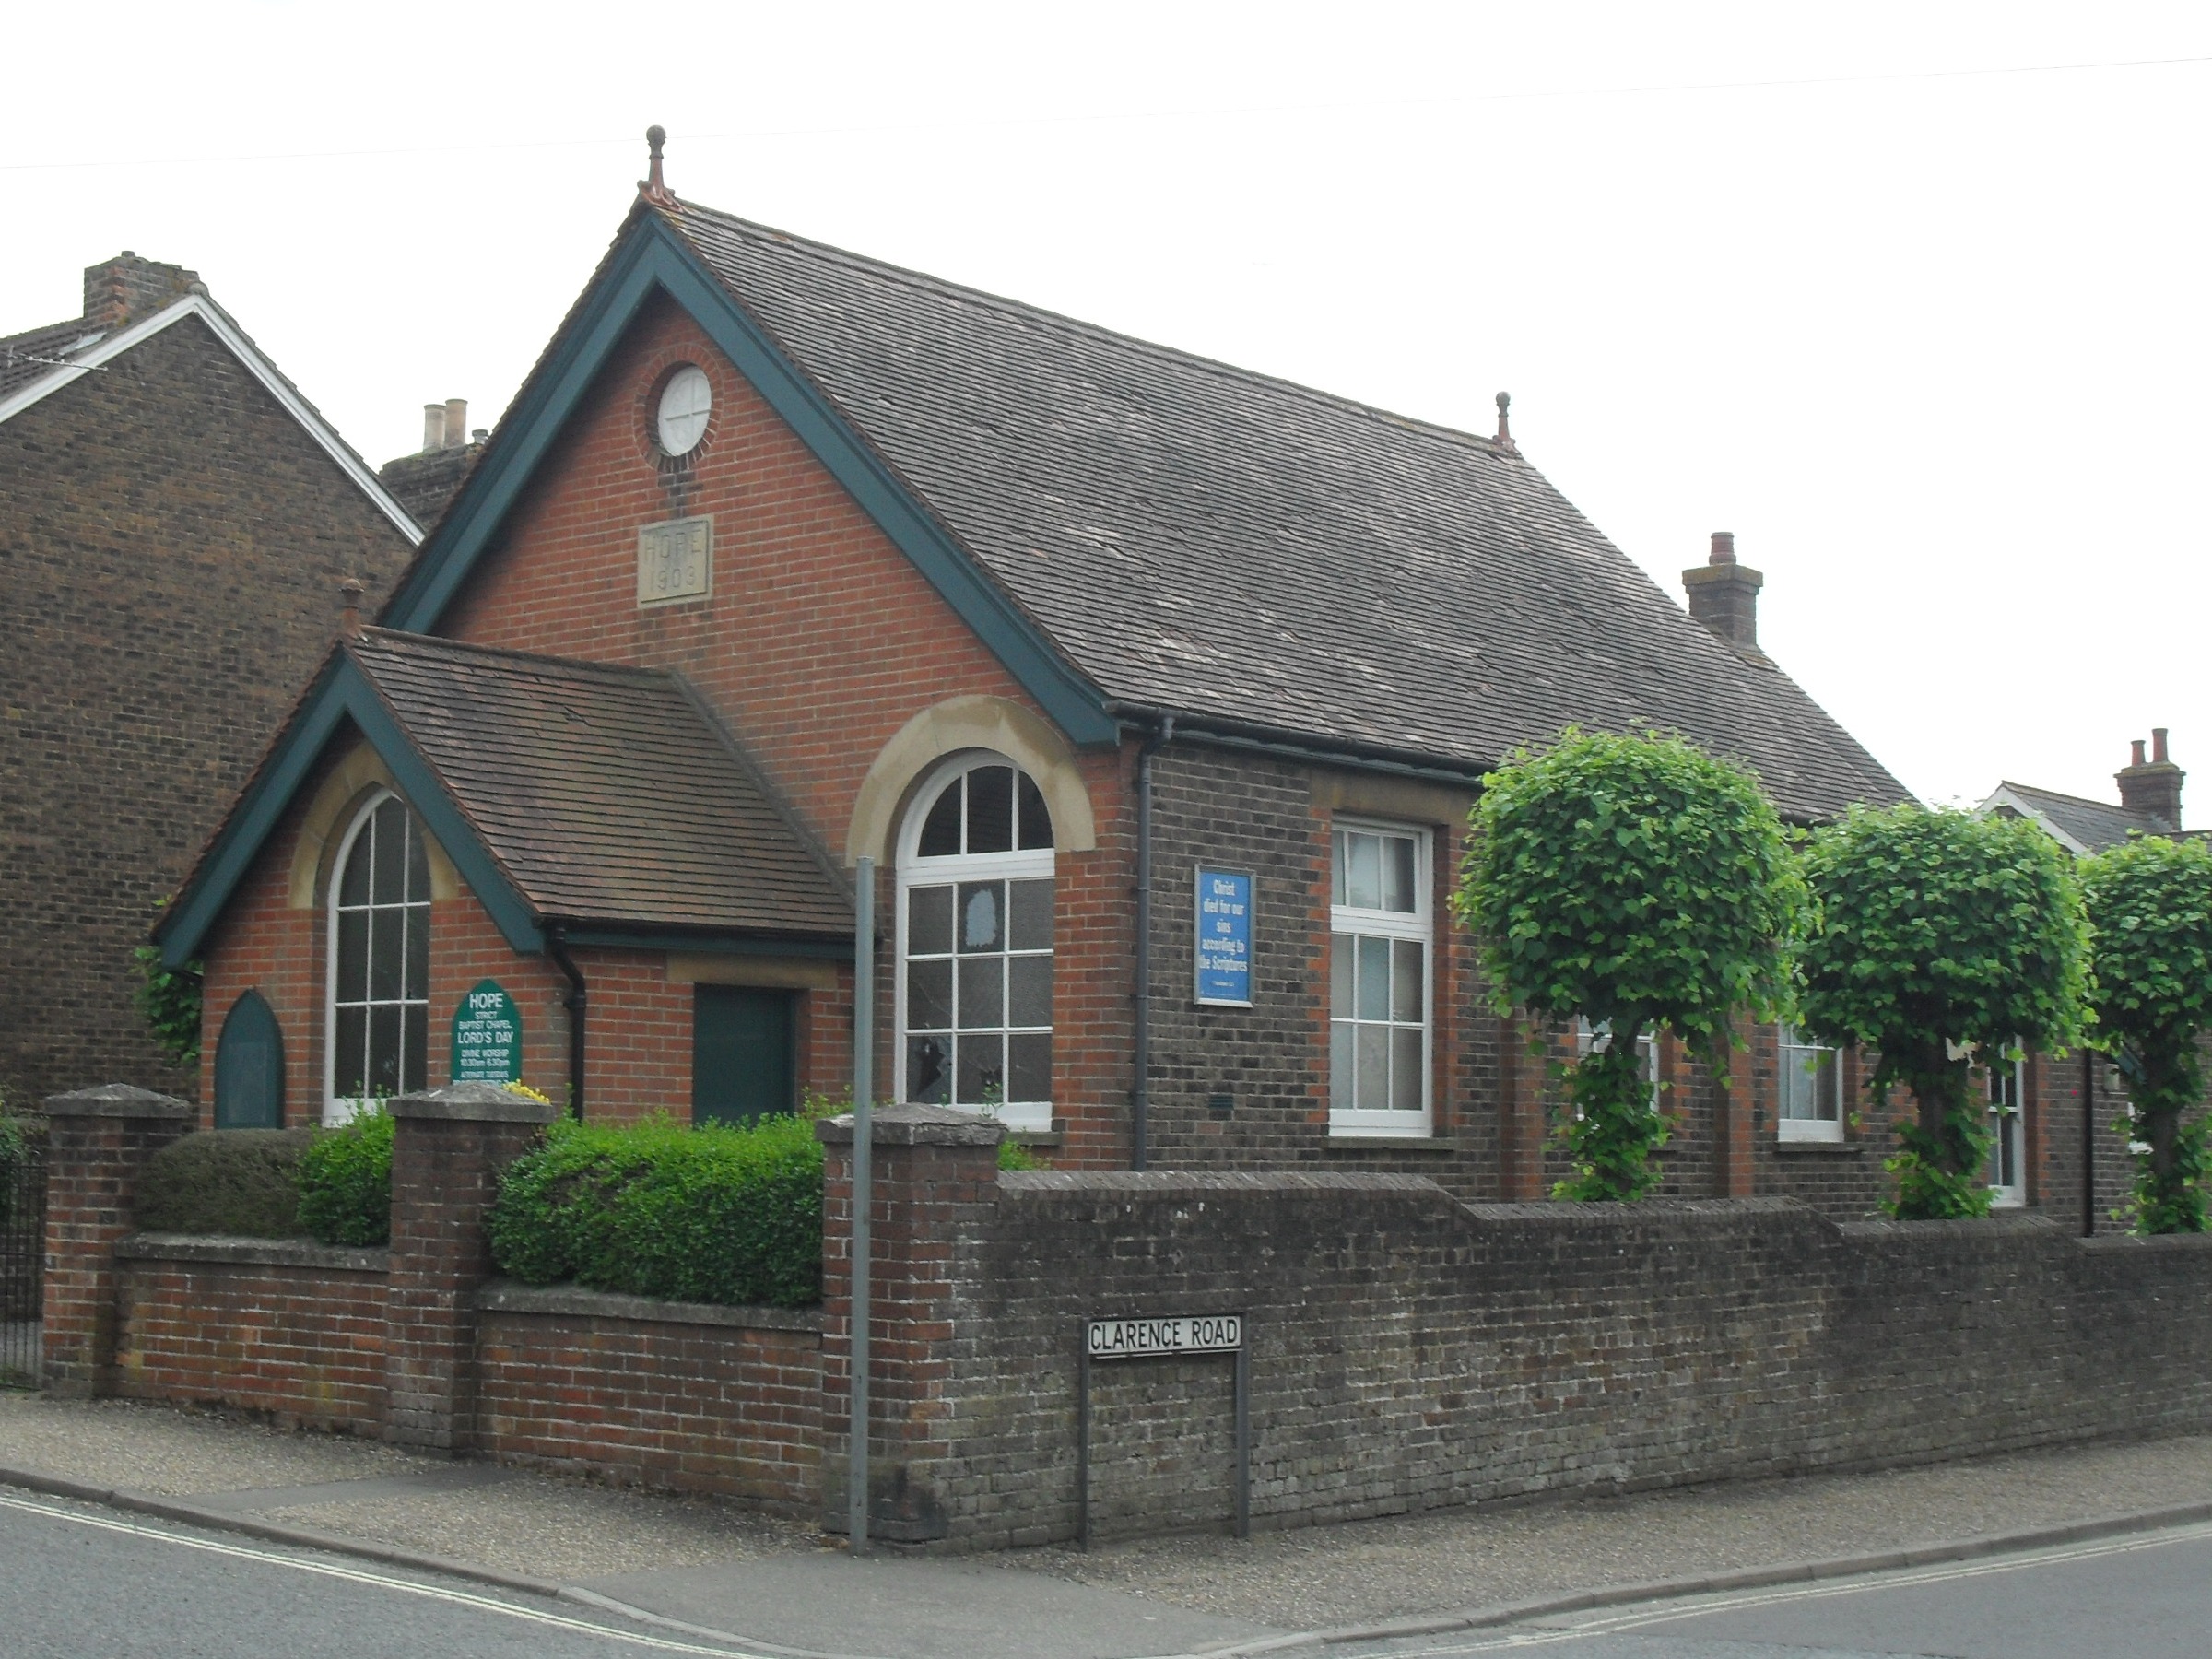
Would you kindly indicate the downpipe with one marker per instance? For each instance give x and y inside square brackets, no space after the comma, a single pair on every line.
[557,946]
[1140,1087]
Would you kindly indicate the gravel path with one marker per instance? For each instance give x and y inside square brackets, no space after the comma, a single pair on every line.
[559,1527]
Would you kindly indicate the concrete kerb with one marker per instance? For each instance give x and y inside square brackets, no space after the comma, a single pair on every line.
[1426,1624]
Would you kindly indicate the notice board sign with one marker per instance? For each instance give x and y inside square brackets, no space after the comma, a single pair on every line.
[488,1037]
[1222,937]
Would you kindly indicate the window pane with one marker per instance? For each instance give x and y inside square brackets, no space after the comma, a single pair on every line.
[415,1035]
[1796,1084]
[417,983]
[383,1050]
[419,867]
[983,1071]
[1029,990]
[1363,871]
[990,809]
[1340,1060]
[929,920]
[1374,1067]
[353,955]
[353,887]
[1405,1069]
[1405,980]
[347,1070]
[983,915]
[1397,872]
[1036,820]
[1827,1089]
[927,1063]
[982,993]
[1375,981]
[1030,926]
[1030,1067]
[385,944]
[929,996]
[941,829]
[391,830]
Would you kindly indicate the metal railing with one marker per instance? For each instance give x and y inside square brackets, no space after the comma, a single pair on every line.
[22,1249]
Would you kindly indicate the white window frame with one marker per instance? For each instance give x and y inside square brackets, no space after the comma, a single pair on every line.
[1792,1048]
[337,1109]
[2014,1124]
[1353,1122]
[1030,1116]
[1647,1043]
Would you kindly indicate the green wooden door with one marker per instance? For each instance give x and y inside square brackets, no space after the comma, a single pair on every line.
[249,1067]
[741,1059]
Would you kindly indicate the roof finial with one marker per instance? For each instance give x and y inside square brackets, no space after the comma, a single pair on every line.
[653,187]
[1504,441]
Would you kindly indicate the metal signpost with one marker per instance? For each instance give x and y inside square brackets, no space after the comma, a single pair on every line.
[1111,1339]
[1221,939]
[864,1088]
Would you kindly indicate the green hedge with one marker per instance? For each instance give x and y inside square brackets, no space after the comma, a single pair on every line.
[712,1214]
[244,1182]
[346,1183]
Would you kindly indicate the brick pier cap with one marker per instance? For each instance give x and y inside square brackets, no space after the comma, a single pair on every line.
[118,1100]
[472,1103]
[915,1126]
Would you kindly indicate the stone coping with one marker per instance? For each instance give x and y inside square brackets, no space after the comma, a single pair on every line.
[915,1126]
[252,1253]
[506,1296]
[118,1100]
[472,1103]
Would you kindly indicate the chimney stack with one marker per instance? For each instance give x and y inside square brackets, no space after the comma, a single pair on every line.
[2153,787]
[1724,596]
[456,422]
[126,288]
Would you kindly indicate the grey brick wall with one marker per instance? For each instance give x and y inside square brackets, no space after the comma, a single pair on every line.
[1409,1351]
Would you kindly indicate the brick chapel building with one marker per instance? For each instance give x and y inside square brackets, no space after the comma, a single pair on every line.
[175,521]
[1157,690]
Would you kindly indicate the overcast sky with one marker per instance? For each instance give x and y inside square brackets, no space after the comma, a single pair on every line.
[1912,297]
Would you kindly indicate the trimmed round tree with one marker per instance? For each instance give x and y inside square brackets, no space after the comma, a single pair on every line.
[2150,988]
[1638,882]
[1940,936]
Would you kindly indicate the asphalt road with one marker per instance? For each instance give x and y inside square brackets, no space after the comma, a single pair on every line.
[77,1581]
[2147,1597]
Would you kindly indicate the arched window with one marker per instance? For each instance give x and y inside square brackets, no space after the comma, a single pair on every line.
[975,943]
[380,961]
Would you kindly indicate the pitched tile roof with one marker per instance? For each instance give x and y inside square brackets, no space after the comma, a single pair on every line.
[608,795]
[39,351]
[2093,825]
[1199,538]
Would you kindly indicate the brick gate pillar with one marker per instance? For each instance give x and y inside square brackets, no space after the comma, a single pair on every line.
[936,1177]
[97,1141]
[448,1145]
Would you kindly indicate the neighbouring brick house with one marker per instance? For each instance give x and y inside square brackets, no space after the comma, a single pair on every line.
[175,522]
[783,557]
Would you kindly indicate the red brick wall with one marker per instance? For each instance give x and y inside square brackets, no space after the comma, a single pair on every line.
[303,1342]
[704,1408]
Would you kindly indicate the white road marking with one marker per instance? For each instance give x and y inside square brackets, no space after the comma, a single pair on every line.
[383,1580]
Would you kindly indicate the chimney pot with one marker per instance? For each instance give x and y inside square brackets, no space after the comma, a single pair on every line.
[433,427]
[350,614]
[1724,547]
[456,422]
[2157,746]
[2136,753]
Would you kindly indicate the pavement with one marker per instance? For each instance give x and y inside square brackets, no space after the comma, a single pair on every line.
[724,1575]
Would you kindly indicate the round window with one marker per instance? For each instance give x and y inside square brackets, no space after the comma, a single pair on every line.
[682,419]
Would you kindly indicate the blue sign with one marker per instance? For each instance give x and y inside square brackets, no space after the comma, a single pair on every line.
[1224,938]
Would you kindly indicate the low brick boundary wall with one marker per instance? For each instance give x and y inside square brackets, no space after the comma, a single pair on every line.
[279,1325]
[712,1399]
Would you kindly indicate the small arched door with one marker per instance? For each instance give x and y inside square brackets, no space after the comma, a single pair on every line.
[249,1067]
